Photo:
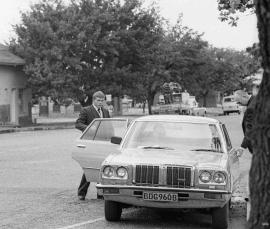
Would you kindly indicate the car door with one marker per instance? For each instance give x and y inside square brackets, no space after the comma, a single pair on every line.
[233,160]
[95,145]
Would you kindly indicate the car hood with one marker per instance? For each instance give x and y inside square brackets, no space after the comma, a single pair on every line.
[167,157]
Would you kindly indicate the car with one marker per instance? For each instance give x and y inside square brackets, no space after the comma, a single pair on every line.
[229,105]
[161,161]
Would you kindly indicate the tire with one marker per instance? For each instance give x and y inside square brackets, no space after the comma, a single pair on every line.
[225,113]
[113,210]
[220,217]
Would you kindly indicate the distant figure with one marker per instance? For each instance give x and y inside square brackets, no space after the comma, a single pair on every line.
[85,101]
[87,115]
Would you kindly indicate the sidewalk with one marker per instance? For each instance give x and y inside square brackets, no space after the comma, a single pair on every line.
[43,123]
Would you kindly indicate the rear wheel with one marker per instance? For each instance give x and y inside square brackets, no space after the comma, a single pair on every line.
[113,210]
[220,217]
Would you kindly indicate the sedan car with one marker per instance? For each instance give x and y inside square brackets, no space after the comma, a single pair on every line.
[161,161]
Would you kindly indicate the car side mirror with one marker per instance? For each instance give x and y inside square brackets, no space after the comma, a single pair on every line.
[116,140]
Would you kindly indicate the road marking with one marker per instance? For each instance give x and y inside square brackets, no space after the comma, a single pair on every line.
[91,221]
[82,223]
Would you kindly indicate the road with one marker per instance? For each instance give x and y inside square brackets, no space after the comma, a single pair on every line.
[38,185]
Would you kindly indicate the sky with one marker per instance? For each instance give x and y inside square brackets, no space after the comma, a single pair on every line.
[200,15]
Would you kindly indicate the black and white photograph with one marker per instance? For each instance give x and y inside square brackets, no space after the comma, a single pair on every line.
[126,114]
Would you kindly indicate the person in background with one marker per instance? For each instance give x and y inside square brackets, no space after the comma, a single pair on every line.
[85,100]
[247,122]
[247,126]
[87,115]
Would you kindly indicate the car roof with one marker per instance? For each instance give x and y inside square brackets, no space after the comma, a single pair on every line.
[178,118]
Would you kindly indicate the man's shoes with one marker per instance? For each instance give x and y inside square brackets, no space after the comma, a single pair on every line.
[81,197]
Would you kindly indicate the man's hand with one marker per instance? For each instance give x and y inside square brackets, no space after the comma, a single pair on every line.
[239,151]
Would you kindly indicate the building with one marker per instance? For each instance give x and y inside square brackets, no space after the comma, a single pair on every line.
[15,97]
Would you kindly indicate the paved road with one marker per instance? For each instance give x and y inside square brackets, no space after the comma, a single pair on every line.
[38,184]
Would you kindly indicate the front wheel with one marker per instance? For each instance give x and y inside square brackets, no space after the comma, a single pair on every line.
[220,217]
[113,210]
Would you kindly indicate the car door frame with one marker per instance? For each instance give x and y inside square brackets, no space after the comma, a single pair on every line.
[82,156]
[233,159]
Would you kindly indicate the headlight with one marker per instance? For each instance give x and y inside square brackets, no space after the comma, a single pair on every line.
[219,177]
[108,171]
[205,176]
[122,172]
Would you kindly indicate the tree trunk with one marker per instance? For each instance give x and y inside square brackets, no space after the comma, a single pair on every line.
[150,100]
[260,166]
[204,98]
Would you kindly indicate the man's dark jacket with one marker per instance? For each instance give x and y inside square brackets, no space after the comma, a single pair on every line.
[247,123]
[87,115]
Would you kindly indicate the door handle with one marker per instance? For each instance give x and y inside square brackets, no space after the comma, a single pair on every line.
[81,146]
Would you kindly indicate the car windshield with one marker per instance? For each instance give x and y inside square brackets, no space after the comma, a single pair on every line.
[174,136]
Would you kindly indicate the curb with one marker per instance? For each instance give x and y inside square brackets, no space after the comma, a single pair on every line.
[38,128]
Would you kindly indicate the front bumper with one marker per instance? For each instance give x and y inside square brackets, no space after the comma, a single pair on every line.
[187,198]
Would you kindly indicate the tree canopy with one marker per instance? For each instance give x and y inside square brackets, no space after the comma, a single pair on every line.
[121,48]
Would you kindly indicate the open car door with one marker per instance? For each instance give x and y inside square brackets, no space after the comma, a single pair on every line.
[233,160]
[95,145]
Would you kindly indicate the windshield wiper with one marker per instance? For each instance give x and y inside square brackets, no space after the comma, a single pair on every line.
[208,150]
[156,147]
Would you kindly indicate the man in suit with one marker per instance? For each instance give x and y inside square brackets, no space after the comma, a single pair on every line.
[87,115]
[247,123]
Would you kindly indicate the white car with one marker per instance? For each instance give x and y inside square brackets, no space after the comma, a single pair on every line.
[161,161]
[229,105]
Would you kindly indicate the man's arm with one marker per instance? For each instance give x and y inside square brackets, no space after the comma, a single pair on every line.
[247,126]
[81,122]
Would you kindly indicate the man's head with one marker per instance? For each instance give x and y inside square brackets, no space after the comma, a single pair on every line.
[98,99]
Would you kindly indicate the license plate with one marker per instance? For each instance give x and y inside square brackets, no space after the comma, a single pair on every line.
[160,196]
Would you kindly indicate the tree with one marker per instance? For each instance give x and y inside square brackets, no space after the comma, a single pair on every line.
[259,172]
[88,44]
[171,59]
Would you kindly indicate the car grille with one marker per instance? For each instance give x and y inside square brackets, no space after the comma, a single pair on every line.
[175,176]
[147,175]
[178,177]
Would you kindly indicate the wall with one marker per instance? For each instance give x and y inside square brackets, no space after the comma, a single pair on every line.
[14,97]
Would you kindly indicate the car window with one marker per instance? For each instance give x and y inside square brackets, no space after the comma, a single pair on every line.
[229,100]
[175,135]
[110,128]
[90,133]
[227,138]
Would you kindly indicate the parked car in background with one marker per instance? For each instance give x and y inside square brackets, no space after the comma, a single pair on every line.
[229,105]
[161,161]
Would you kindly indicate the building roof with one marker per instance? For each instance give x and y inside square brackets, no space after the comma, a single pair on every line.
[8,58]
[178,118]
